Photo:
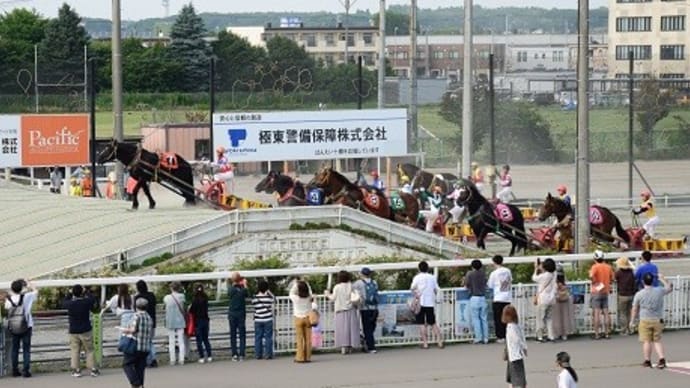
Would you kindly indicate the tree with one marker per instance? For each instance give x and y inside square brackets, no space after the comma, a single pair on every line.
[20,30]
[652,104]
[238,61]
[151,70]
[396,23]
[189,48]
[290,65]
[522,135]
[61,51]
[340,82]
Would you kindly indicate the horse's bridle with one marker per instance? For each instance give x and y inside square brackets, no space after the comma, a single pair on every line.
[113,153]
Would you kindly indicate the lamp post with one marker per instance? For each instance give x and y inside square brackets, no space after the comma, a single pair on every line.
[582,214]
[467,91]
[118,132]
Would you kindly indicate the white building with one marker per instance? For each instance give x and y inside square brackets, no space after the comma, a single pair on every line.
[656,33]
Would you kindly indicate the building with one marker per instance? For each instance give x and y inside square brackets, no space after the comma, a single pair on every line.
[656,33]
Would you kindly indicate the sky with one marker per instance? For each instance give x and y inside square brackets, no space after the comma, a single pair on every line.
[142,9]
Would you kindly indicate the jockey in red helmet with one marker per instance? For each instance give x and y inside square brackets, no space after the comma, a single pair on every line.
[562,191]
[647,207]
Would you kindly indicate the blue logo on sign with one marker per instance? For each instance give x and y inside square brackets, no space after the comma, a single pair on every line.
[237,135]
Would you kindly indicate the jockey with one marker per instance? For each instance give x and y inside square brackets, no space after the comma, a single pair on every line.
[477,176]
[406,187]
[435,203]
[225,170]
[562,191]
[377,182]
[647,207]
[457,210]
[505,182]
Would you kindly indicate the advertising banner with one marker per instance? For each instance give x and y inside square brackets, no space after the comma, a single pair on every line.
[275,136]
[44,140]
[395,318]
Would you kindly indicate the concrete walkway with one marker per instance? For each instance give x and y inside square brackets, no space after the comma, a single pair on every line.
[600,364]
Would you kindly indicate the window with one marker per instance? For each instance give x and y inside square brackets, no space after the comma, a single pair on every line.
[401,55]
[633,1]
[629,24]
[311,40]
[350,39]
[536,55]
[522,56]
[672,76]
[439,54]
[673,23]
[329,60]
[673,52]
[368,38]
[557,56]
[635,76]
[201,149]
[291,36]
[641,52]
[330,39]
[454,55]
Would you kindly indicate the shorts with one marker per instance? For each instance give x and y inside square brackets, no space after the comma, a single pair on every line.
[426,316]
[650,330]
[599,301]
[515,373]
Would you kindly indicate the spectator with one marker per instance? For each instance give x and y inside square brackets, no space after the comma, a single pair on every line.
[199,310]
[87,184]
[55,180]
[20,323]
[601,276]
[545,298]
[140,328]
[562,310]
[175,322]
[500,280]
[425,287]
[516,348]
[646,267]
[625,279]
[237,316]
[301,298]
[111,186]
[79,307]
[649,303]
[143,292]
[74,188]
[263,321]
[346,319]
[122,305]
[568,377]
[368,290]
[475,281]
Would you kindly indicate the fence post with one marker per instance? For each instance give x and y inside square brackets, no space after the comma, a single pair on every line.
[219,287]
[4,349]
[97,321]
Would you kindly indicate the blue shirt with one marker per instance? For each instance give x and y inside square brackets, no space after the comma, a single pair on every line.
[645,269]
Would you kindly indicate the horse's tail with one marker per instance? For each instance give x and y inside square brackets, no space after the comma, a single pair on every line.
[620,231]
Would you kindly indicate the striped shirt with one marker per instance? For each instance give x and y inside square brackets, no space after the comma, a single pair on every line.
[263,307]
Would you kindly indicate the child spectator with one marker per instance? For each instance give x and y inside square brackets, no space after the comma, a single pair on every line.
[263,321]
[568,377]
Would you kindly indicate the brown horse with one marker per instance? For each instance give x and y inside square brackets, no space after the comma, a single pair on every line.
[405,207]
[601,220]
[339,190]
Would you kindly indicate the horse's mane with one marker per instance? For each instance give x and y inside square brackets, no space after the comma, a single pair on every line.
[349,185]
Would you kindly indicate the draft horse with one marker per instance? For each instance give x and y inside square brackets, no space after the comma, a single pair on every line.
[290,192]
[601,220]
[338,189]
[172,171]
[504,220]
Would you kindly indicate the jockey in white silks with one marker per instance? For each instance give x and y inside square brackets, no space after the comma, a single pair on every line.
[457,210]
[225,172]
[435,203]
[505,182]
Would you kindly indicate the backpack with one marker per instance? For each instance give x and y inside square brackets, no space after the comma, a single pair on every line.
[17,323]
[371,293]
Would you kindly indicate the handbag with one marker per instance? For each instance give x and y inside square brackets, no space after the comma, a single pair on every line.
[190,328]
[313,317]
[127,345]
[354,297]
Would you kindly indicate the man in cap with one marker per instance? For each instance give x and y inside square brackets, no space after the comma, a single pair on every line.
[368,290]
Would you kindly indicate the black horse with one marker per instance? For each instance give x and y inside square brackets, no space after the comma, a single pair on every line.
[290,192]
[504,220]
[173,172]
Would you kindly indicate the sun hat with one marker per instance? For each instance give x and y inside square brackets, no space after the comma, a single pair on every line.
[623,263]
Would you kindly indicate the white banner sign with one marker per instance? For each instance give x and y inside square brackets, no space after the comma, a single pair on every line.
[274,136]
[10,141]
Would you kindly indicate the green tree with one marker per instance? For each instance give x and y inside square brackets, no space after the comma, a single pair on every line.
[652,105]
[61,51]
[291,67]
[101,53]
[150,70]
[396,23]
[238,62]
[340,82]
[189,48]
[20,30]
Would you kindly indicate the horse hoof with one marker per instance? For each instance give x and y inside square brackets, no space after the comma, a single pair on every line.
[152,206]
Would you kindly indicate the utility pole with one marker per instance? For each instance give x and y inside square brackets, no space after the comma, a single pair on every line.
[492,123]
[414,127]
[382,52]
[582,215]
[347,4]
[118,132]
[467,92]
[631,124]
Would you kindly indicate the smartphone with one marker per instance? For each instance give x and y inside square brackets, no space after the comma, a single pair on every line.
[538,260]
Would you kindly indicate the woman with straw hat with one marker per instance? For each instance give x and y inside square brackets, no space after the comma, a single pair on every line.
[625,281]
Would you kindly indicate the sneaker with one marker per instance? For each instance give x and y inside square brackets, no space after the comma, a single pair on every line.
[76,373]
[209,359]
[647,364]
[372,351]
[95,373]
[661,364]
[235,358]
[241,358]
[268,358]
[16,373]
[500,341]
[27,374]
[154,364]
[202,361]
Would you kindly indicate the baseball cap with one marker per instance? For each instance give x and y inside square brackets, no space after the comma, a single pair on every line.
[366,271]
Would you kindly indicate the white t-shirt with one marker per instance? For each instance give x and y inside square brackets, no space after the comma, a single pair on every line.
[546,287]
[565,380]
[500,280]
[28,303]
[426,285]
